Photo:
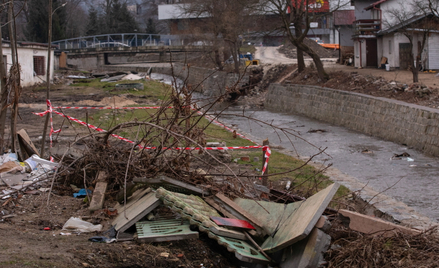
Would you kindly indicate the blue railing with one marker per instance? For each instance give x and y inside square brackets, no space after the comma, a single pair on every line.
[119,40]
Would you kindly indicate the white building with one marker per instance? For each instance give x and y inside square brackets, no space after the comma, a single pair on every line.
[379,33]
[32,58]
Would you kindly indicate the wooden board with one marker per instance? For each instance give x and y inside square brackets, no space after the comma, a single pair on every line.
[135,211]
[136,196]
[98,198]
[172,185]
[232,223]
[164,230]
[297,225]
[26,144]
[269,214]
[239,212]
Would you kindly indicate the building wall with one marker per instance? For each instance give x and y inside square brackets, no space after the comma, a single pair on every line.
[360,13]
[26,60]
[400,122]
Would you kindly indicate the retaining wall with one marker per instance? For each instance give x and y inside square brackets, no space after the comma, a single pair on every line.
[413,125]
[206,81]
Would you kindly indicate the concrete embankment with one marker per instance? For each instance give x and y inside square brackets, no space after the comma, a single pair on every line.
[413,125]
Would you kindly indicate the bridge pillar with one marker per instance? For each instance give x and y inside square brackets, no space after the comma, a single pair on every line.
[162,54]
[101,60]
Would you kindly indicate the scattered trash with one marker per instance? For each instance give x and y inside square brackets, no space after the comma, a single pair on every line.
[317,131]
[164,254]
[102,239]
[76,77]
[287,187]
[410,159]
[78,225]
[367,151]
[245,158]
[46,229]
[82,193]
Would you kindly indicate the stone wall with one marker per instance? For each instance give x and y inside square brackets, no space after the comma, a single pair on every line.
[206,81]
[413,125]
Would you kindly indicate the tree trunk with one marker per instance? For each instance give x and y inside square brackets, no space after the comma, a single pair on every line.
[300,60]
[415,70]
[235,56]
[318,63]
[218,61]
[4,97]
[15,83]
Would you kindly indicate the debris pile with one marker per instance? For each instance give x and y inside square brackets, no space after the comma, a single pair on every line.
[290,51]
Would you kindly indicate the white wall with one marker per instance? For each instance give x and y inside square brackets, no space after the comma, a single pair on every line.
[26,60]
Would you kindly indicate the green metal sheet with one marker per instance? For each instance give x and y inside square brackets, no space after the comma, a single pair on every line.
[164,230]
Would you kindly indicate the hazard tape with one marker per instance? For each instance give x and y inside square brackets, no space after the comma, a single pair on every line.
[111,108]
[265,148]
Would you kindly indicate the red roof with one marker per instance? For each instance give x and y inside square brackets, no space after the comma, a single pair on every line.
[375,4]
[344,17]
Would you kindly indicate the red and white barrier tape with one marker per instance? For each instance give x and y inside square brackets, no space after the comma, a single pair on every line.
[110,108]
[266,149]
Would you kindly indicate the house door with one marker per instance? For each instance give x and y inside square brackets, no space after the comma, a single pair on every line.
[371,53]
[404,56]
[433,52]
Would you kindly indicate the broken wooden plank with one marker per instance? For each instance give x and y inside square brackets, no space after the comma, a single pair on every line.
[132,199]
[26,144]
[232,223]
[172,184]
[240,213]
[98,198]
[135,211]
[164,230]
[371,225]
[297,225]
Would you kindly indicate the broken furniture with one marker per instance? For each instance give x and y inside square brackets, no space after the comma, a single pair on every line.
[293,233]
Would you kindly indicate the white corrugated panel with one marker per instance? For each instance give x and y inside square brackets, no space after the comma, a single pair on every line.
[433,52]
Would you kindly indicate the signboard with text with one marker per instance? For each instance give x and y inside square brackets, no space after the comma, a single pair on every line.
[314,6]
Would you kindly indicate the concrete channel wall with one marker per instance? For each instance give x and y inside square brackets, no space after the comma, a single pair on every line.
[206,81]
[413,125]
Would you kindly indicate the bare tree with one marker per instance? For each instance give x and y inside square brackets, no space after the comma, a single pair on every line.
[415,21]
[222,23]
[297,15]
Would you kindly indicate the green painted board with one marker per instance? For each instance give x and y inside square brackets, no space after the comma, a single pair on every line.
[269,214]
[164,230]
[297,225]
[243,251]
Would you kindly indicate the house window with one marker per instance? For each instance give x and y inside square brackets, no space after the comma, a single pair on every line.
[39,65]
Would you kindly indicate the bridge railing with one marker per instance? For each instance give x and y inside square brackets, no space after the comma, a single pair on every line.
[119,40]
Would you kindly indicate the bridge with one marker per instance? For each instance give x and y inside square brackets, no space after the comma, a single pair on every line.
[92,52]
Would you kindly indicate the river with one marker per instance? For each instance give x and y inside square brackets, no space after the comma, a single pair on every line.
[411,180]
